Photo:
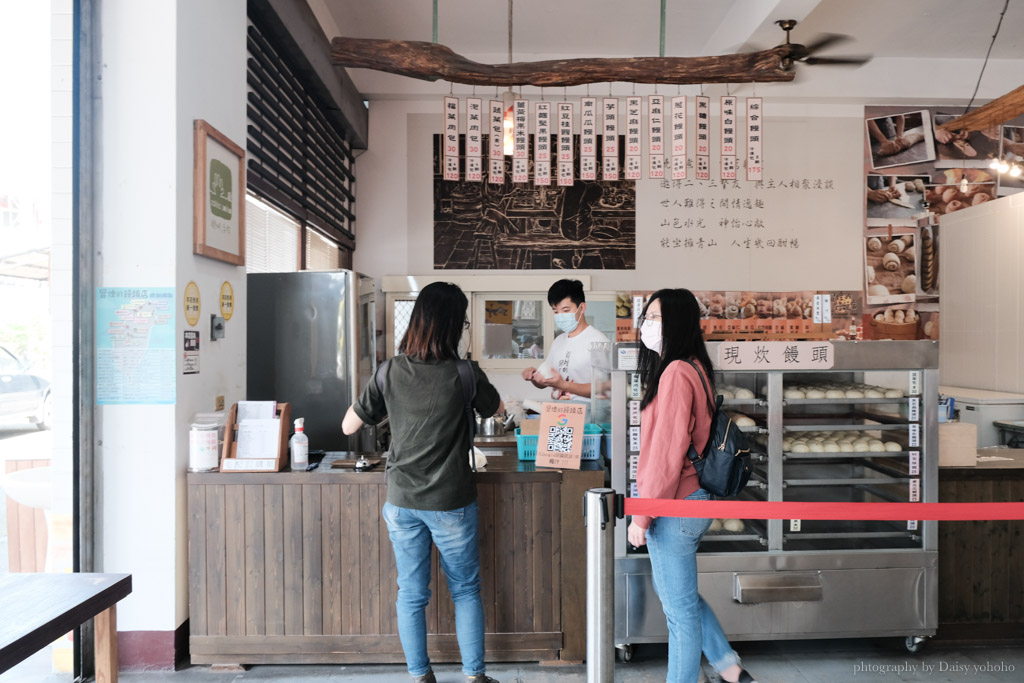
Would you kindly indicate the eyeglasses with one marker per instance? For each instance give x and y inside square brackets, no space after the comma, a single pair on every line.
[465,325]
[653,317]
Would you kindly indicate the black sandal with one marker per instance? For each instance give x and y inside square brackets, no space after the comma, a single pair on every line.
[745,677]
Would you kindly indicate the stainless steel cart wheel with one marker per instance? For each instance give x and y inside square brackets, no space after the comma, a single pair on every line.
[625,652]
[915,643]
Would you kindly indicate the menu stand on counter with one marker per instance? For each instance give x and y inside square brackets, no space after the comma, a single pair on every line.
[230,463]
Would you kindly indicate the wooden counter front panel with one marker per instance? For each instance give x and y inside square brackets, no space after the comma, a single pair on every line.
[305,573]
[981,563]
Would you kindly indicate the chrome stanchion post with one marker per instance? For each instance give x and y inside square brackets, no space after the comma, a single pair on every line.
[599,517]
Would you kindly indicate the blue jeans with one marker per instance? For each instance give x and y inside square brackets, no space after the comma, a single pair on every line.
[672,543]
[454,532]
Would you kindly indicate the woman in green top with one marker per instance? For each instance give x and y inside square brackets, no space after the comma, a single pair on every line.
[431,493]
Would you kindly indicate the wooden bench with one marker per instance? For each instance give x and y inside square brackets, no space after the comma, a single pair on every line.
[40,608]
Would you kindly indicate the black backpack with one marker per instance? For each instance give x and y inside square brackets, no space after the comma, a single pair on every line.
[724,467]
[468,394]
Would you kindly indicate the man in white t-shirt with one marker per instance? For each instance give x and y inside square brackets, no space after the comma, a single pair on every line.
[569,356]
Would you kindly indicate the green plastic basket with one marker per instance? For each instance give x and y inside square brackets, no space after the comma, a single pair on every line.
[526,444]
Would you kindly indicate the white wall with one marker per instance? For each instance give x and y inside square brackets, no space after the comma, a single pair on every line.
[164,64]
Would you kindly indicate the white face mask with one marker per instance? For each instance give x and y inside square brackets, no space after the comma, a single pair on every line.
[650,335]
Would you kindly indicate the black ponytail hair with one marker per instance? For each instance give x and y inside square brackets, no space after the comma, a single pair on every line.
[682,339]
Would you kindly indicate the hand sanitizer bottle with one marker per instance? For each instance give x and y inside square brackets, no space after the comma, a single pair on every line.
[300,447]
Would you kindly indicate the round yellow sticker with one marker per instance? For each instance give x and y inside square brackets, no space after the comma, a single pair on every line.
[227,300]
[192,304]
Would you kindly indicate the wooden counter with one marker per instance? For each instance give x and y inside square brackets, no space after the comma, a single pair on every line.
[297,567]
[981,564]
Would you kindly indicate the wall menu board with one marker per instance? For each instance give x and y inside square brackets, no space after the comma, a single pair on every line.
[798,227]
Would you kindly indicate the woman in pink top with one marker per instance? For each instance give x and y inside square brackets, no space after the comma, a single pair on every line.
[676,413]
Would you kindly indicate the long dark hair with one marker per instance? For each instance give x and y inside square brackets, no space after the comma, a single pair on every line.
[682,339]
[436,324]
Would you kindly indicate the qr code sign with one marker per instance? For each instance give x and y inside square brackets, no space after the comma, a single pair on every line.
[560,439]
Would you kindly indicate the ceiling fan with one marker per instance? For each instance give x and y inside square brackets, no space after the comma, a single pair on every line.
[805,53]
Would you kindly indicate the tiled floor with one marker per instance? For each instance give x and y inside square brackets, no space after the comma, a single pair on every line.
[809,661]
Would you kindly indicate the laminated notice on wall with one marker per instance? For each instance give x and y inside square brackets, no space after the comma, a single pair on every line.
[610,139]
[520,132]
[451,138]
[634,139]
[474,139]
[542,144]
[755,130]
[703,138]
[656,136]
[565,153]
[588,138]
[728,138]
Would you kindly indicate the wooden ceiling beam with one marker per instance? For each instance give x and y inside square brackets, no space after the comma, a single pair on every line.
[995,113]
[433,62]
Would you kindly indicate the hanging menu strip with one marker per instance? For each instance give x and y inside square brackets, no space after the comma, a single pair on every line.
[520,142]
[565,175]
[703,138]
[634,139]
[679,138]
[588,139]
[474,139]
[496,173]
[520,170]
[542,145]
[656,136]
[610,139]
[520,131]
[497,129]
[754,138]
[451,138]
[728,138]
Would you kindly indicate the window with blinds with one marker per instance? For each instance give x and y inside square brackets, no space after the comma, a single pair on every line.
[321,253]
[271,239]
[298,156]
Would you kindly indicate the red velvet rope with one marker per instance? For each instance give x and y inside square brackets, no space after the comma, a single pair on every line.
[742,509]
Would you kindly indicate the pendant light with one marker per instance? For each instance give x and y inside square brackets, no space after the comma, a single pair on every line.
[508,98]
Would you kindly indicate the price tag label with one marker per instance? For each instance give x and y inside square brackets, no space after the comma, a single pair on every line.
[915,490]
[817,309]
[634,439]
[915,409]
[912,525]
[634,462]
[915,382]
[638,309]
[794,525]
[633,492]
[915,463]
[826,308]
[915,435]
[634,386]
[634,412]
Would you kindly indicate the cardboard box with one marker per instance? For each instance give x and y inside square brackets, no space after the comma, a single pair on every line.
[958,444]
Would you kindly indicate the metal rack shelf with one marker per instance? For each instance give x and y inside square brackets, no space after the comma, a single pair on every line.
[845,427]
[841,455]
[849,481]
[787,402]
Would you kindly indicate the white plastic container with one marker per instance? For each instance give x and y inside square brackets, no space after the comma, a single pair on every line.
[205,440]
[299,446]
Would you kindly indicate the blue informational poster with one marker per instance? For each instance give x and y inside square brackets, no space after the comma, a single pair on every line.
[135,351]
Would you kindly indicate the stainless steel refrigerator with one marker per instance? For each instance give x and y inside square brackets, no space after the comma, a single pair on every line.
[311,344]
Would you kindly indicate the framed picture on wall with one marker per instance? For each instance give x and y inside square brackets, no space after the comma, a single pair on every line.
[218,205]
